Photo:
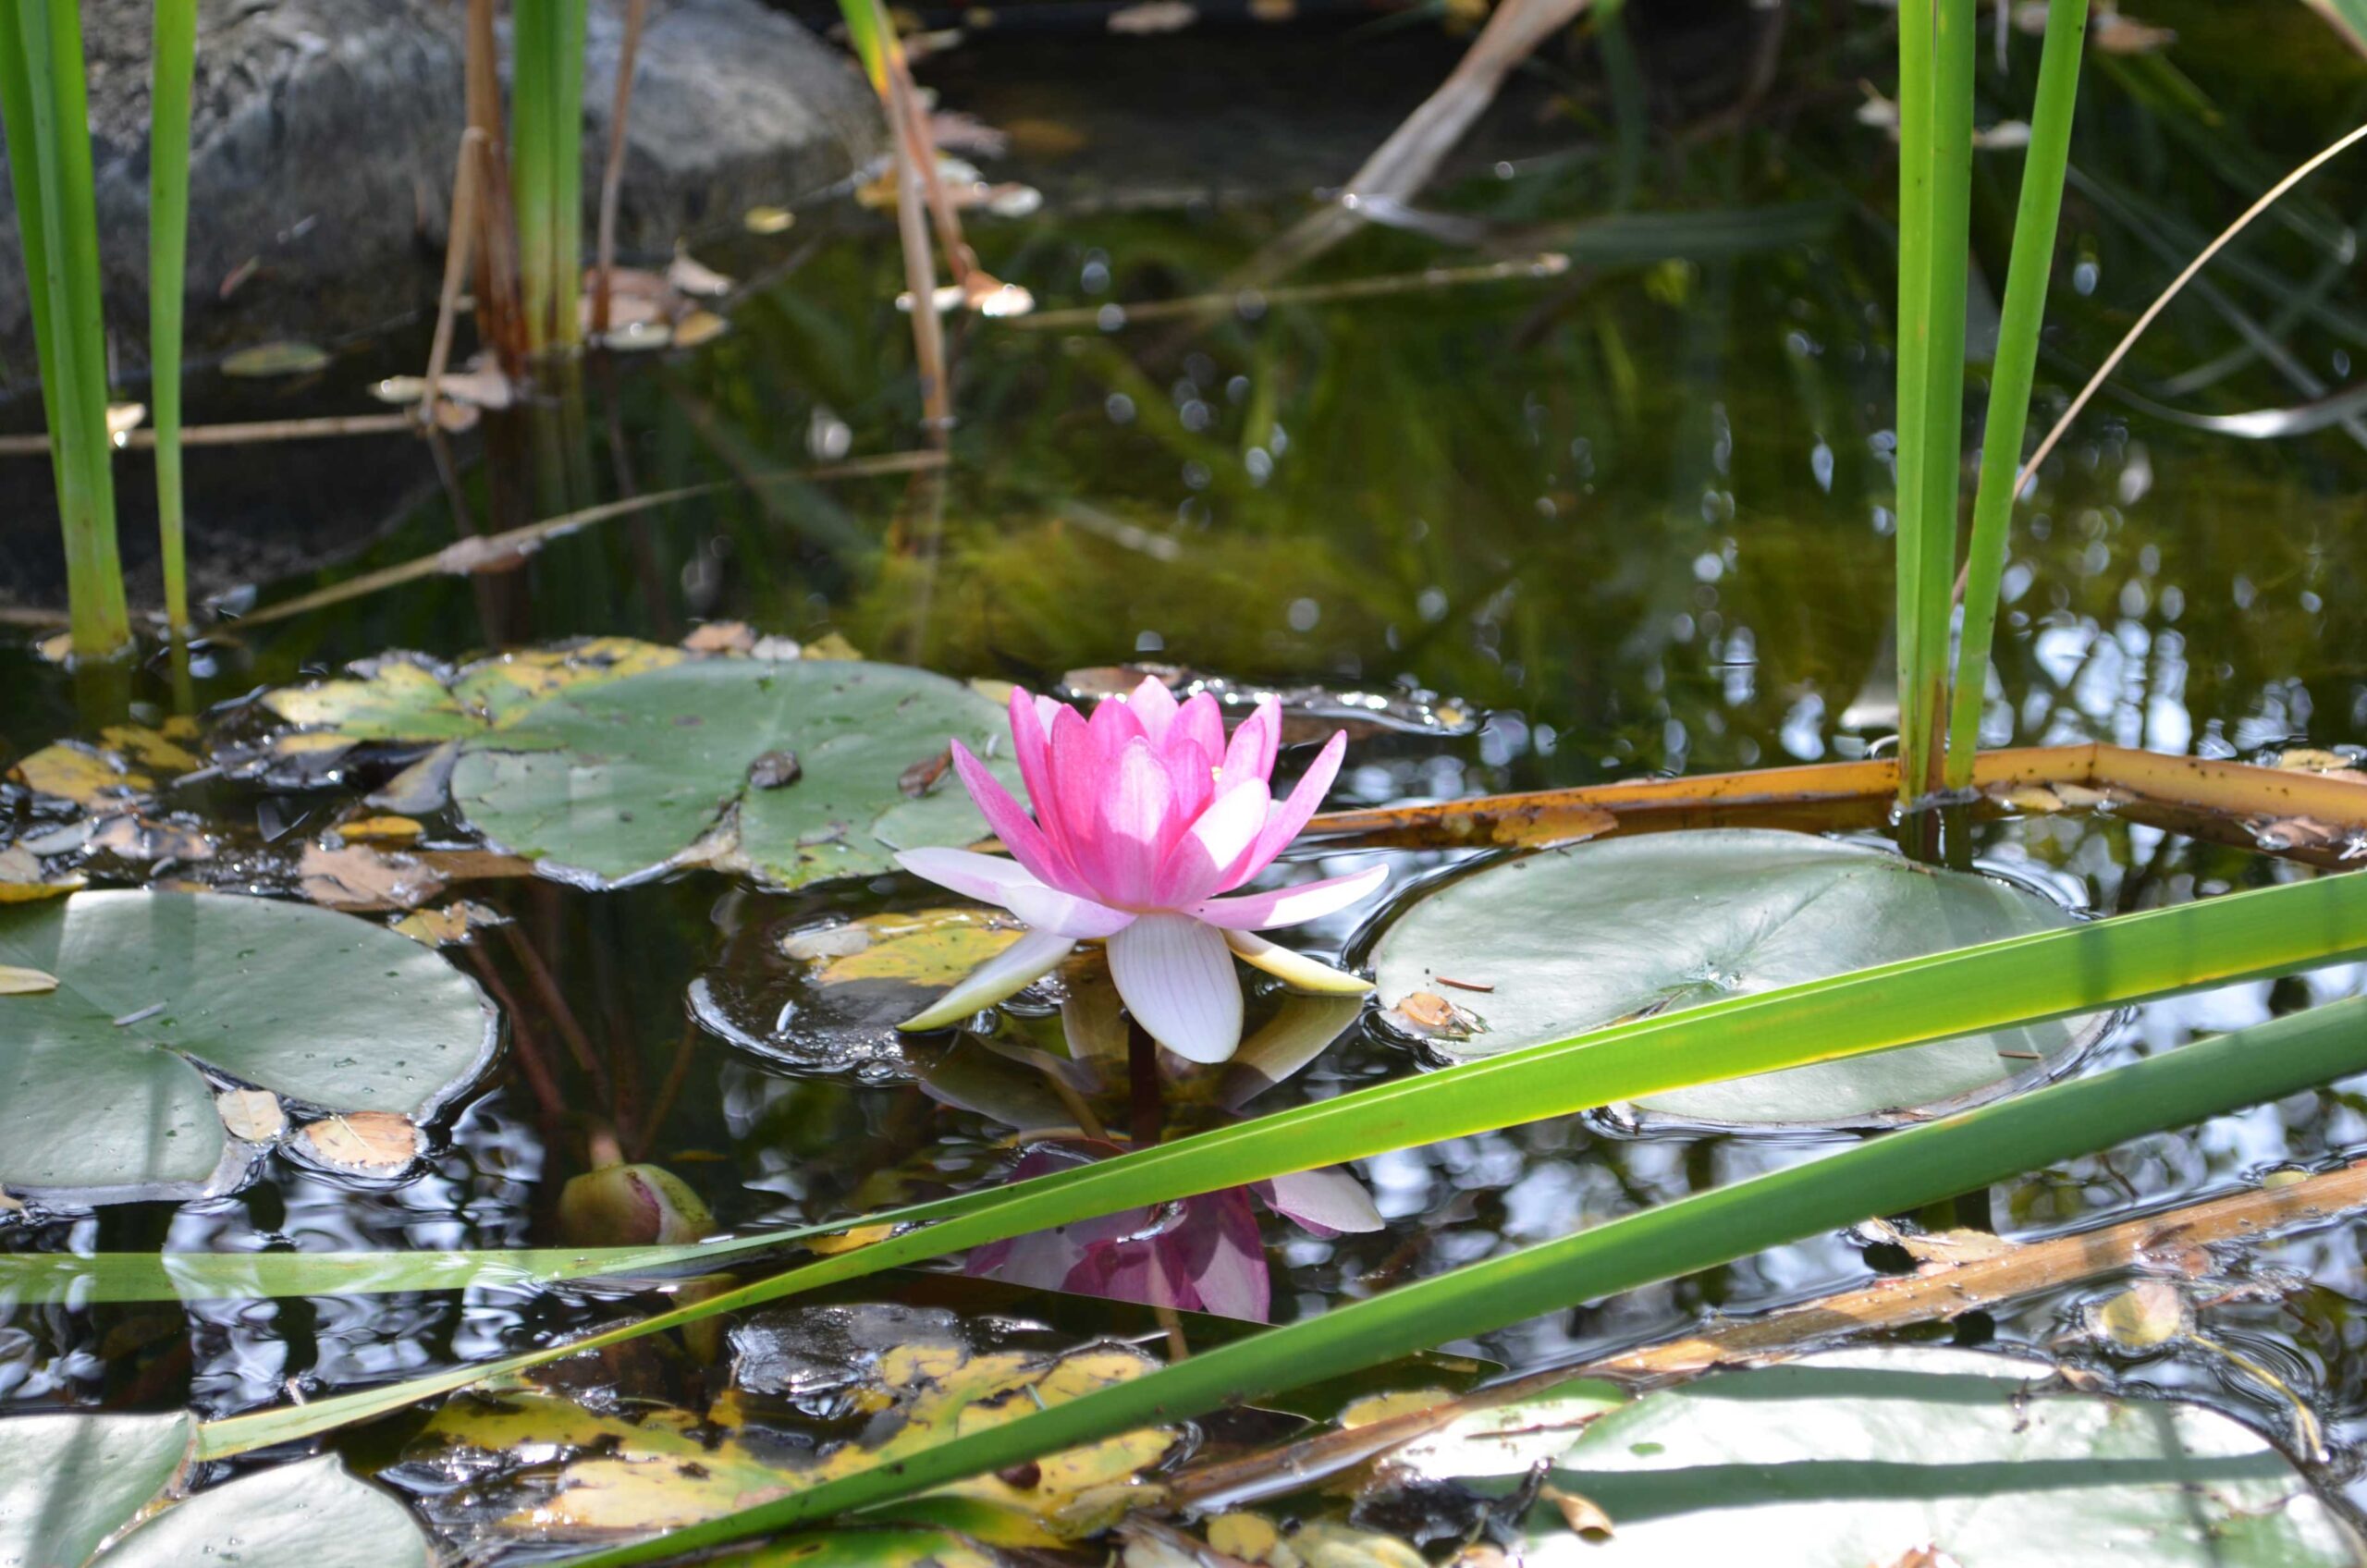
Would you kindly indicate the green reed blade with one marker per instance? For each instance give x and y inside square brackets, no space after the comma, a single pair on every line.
[2027,273]
[2025,979]
[175,58]
[1936,56]
[49,155]
[566,240]
[531,24]
[1901,1171]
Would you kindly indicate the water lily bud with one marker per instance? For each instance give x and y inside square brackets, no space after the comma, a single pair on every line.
[626,1206]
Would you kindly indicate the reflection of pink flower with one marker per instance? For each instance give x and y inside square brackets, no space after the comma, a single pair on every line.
[1143,816]
[1200,1253]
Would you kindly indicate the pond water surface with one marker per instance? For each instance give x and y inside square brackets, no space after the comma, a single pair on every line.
[1623,518]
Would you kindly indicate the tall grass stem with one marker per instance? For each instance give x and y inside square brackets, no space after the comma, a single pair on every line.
[2027,274]
[1935,58]
[174,54]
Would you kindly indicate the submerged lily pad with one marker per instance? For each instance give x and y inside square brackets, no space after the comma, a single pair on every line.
[1872,1456]
[107,1084]
[69,1482]
[1551,945]
[613,782]
[817,1394]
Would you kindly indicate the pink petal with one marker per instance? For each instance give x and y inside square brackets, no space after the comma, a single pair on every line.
[1153,704]
[1049,909]
[1288,906]
[1202,720]
[1137,824]
[986,877]
[1255,745]
[1009,820]
[1176,978]
[1031,744]
[1076,795]
[1326,1202]
[1204,857]
[1191,775]
[1286,823]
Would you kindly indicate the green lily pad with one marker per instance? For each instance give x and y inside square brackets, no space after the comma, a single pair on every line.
[1551,945]
[108,1084]
[1866,1456]
[615,782]
[69,1482]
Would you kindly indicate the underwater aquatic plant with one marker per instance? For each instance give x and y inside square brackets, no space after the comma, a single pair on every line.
[1145,814]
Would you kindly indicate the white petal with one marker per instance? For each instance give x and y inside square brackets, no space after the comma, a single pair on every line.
[1024,963]
[1294,969]
[1176,976]
[1289,906]
[1049,909]
[1328,1199]
[987,877]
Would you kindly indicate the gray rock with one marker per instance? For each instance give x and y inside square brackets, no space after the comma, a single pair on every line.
[324,132]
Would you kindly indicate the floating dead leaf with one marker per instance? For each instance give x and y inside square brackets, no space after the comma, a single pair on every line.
[254,1115]
[1582,1514]
[453,924]
[363,1143]
[23,880]
[2281,833]
[1427,1012]
[21,982]
[69,770]
[721,637]
[140,839]
[922,776]
[1153,17]
[830,645]
[690,275]
[275,359]
[157,750]
[699,326]
[2146,1316]
[849,1241]
[767,220]
[1250,1536]
[775,770]
[397,829]
[1044,138]
[359,877]
[1940,1246]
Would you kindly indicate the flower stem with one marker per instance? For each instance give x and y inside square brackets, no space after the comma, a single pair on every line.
[1149,1117]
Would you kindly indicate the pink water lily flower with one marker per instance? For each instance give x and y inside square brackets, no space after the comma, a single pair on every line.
[1145,817]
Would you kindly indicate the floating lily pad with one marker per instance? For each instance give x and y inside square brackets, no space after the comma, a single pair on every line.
[617,781]
[1870,1456]
[107,1084]
[1551,945]
[69,1482]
